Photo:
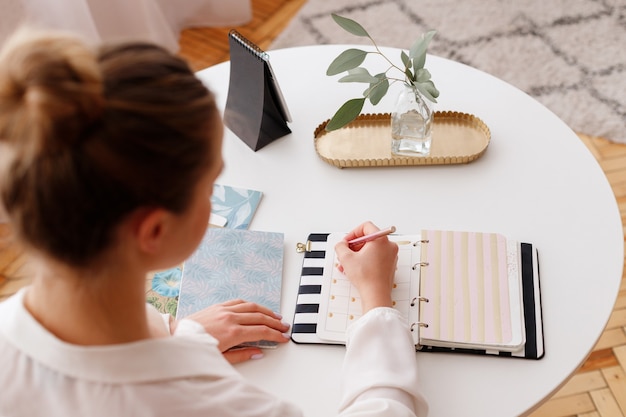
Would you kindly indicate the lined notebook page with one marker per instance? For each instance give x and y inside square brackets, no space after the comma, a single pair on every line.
[473,293]
[340,303]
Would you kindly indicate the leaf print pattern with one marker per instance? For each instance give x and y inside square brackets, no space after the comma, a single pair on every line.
[236,204]
[231,264]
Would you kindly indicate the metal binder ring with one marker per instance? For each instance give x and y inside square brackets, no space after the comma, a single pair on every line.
[420,298]
[414,267]
[419,324]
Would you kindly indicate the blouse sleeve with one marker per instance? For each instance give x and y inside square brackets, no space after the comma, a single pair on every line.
[380,368]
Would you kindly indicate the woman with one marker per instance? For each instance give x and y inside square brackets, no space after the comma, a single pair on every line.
[107,164]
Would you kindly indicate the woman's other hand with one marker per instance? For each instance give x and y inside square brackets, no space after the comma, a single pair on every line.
[235,322]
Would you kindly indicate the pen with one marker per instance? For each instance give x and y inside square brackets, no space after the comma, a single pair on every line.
[372,236]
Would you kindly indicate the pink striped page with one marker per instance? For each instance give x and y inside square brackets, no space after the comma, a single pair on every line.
[466,282]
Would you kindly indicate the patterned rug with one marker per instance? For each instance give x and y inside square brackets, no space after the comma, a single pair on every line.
[568,54]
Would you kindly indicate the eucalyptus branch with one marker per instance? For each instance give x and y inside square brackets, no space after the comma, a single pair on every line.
[350,60]
[379,52]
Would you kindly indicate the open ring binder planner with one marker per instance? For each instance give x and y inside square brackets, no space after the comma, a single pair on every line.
[255,107]
[461,292]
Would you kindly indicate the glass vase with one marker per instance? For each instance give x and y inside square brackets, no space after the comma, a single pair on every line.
[411,124]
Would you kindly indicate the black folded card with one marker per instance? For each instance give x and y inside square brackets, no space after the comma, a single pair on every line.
[255,108]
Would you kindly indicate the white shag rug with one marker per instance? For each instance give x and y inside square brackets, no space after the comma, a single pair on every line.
[568,54]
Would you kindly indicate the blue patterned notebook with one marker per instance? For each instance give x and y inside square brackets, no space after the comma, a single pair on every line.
[237,205]
[229,264]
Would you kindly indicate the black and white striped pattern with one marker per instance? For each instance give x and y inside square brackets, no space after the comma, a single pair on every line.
[309,292]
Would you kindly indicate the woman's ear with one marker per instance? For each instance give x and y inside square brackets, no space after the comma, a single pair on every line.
[150,229]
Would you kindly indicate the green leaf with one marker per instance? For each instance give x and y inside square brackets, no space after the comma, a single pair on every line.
[408,74]
[350,25]
[430,87]
[359,75]
[424,91]
[405,59]
[421,45]
[418,50]
[422,75]
[347,60]
[346,113]
[378,90]
[419,62]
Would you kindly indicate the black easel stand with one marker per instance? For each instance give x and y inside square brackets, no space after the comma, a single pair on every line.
[253,107]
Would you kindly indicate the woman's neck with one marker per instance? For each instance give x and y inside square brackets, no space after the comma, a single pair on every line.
[90,308]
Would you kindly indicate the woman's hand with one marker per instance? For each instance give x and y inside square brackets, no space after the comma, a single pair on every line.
[370,267]
[235,322]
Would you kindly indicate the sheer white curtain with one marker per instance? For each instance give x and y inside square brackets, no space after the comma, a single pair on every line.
[158,21]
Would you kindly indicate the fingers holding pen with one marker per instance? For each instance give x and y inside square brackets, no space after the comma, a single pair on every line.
[361,230]
[366,233]
[369,265]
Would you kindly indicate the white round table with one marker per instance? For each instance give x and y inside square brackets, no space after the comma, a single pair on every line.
[536,182]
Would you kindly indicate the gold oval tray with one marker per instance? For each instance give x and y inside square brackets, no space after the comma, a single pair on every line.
[458,138]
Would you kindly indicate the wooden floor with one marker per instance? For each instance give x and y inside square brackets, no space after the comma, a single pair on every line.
[597,389]
[205,47]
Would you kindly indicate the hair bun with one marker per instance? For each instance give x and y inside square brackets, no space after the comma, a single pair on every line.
[50,90]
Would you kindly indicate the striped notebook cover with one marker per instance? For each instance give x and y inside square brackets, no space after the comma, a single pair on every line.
[467,311]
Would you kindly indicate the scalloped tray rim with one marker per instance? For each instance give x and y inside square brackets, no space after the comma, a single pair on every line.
[407,160]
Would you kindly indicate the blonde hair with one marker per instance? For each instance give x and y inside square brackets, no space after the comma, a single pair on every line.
[90,135]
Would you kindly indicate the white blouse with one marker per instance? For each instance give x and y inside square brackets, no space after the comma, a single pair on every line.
[186,374]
